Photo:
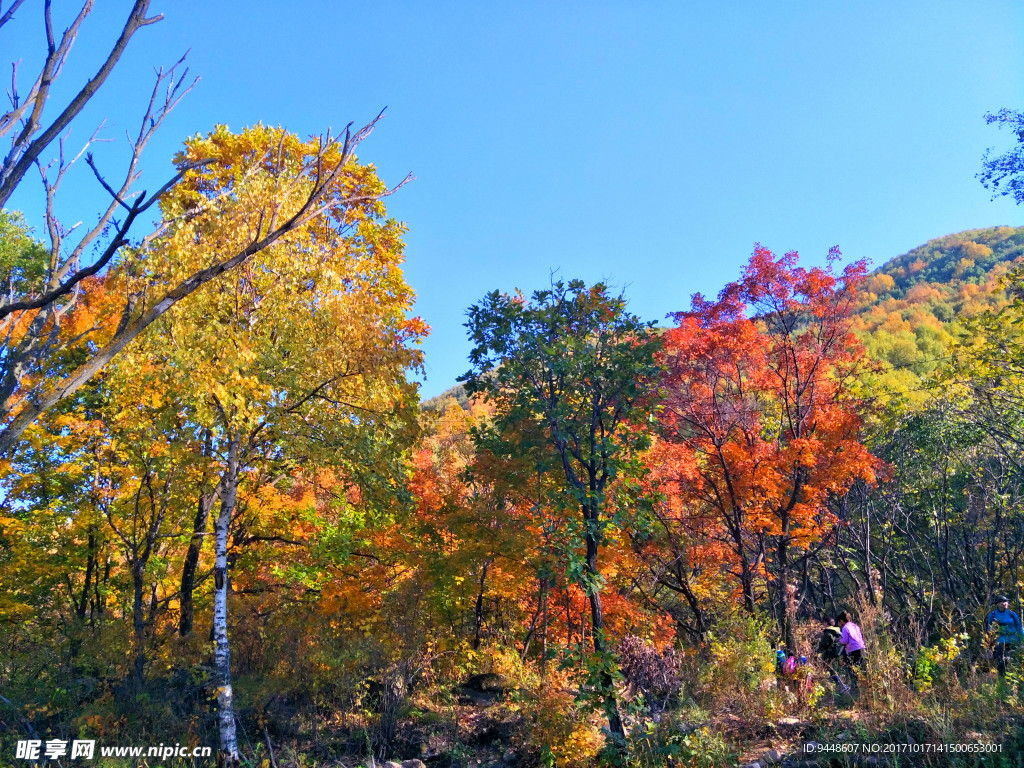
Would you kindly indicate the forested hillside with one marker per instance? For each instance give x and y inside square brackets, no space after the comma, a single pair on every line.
[911,302]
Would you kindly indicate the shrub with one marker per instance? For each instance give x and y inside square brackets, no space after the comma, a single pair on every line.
[559,729]
[673,742]
[654,674]
[933,663]
[740,670]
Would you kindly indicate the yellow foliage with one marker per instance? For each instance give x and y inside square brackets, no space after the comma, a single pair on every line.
[880,283]
[973,250]
[561,731]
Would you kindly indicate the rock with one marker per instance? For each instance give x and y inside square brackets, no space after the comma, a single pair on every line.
[802,759]
[414,763]
[789,721]
[510,757]
[771,757]
[390,764]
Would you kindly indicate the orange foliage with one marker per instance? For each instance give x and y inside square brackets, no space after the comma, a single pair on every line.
[760,415]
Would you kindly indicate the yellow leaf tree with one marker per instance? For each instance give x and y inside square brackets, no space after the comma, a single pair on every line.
[295,361]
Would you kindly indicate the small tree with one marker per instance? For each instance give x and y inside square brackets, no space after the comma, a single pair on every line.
[578,366]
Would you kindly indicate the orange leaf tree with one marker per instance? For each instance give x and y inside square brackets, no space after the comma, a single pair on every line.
[760,406]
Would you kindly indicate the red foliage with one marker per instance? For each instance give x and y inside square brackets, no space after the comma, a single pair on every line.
[760,413]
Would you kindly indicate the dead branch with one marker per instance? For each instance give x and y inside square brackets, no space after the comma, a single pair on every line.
[9,13]
[29,144]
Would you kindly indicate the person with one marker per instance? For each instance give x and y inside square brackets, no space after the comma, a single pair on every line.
[828,644]
[829,650]
[789,668]
[852,641]
[780,659]
[1007,623]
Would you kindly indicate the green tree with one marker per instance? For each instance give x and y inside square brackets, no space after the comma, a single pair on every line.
[1004,174]
[577,365]
[22,258]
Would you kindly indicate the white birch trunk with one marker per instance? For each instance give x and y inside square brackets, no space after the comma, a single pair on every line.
[222,651]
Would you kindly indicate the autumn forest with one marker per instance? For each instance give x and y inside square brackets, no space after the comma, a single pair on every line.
[228,519]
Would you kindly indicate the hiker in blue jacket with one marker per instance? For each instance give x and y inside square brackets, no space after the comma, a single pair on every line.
[1010,633]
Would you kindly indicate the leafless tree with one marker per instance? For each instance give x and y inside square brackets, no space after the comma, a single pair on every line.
[31,316]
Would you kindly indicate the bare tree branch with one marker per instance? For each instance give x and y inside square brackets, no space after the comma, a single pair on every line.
[141,205]
[27,149]
[59,290]
[9,13]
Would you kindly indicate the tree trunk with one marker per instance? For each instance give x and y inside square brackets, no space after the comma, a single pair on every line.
[222,651]
[138,623]
[479,619]
[611,704]
[188,570]
[747,583]
[101,594]
[83,603]
[869,576]
[683,581]
[541,607]
[785,600]
[90,564]
[544,639]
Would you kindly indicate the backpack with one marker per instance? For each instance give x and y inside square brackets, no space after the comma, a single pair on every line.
[828,646]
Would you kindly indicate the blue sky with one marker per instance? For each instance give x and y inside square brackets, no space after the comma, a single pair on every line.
[650,144]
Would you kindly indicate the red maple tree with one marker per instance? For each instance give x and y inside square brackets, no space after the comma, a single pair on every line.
[761,417]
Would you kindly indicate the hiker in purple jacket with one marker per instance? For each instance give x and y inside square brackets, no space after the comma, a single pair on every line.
[852,640]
